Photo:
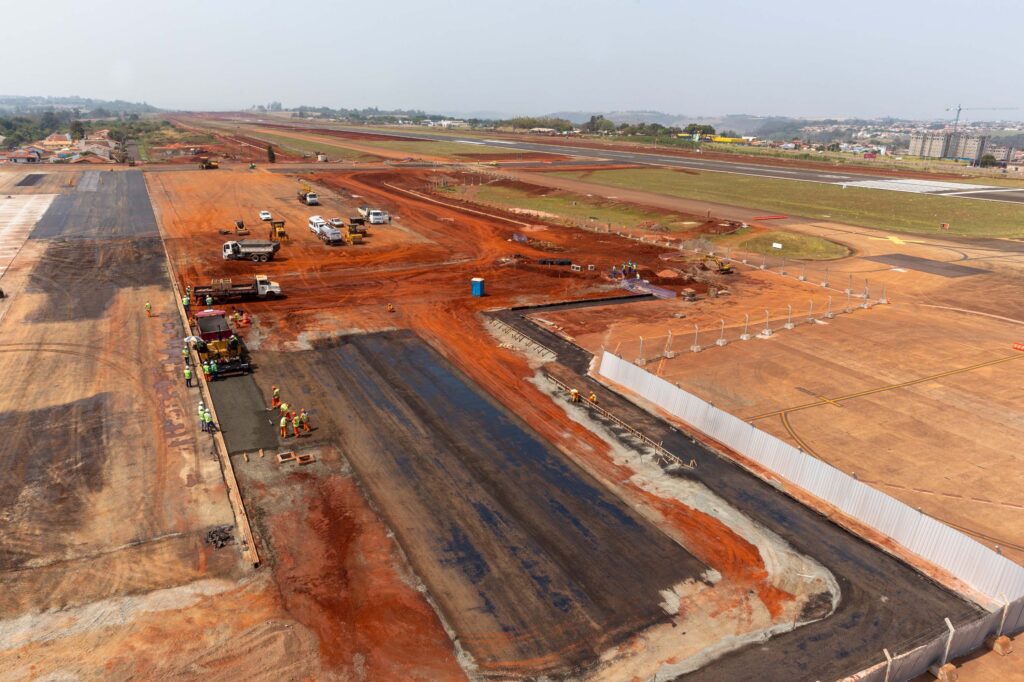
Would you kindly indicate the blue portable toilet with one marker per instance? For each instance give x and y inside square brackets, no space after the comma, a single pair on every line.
[478,286]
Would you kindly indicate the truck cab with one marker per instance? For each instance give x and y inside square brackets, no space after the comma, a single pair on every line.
[312,199]
[266,287]
[377,217]
[232,250]
[315,223]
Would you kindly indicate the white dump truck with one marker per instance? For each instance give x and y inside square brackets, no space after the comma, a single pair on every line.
[256,250]
[327,233]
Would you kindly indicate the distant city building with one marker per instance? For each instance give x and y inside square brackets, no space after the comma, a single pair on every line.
[967,147]
[929,145]
[962,146]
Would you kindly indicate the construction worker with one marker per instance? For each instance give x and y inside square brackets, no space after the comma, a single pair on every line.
[185,355]
[284,426]
[214,369]
[185,303]
[237,316]
[275,401]
[209,301]
[574,395]
[202,410]
[188,291]
[284,409]
[592,397]
[188,376]
[209,421]
[206,369]
[304,420]
[149,309]
[295,425]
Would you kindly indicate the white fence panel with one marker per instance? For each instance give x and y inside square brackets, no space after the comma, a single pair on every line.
[971,636]
[911,664]
[975,564]
[1014,617]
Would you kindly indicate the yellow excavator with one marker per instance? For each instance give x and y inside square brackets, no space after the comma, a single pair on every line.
[713,262]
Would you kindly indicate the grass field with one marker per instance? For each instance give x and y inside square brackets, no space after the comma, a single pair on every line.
[575,206]
[334,152]
[896,211]
[451,149]
[795,246]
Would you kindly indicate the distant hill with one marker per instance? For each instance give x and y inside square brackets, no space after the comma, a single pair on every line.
[35,104]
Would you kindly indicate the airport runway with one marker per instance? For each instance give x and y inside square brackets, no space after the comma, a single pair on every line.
[961,190]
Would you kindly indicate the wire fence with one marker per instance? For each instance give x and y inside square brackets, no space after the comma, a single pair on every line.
[687,337]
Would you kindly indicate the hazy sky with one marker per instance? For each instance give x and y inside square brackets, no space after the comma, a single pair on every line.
[907,58]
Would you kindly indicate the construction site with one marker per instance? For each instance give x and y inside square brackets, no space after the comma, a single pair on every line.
[450,441]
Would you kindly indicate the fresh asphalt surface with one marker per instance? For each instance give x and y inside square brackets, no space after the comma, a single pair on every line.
[884,603]
[736,167]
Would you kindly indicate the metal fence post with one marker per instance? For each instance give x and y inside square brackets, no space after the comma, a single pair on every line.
[949,642]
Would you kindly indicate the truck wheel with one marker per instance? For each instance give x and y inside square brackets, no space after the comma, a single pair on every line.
[254,258]
[263,259]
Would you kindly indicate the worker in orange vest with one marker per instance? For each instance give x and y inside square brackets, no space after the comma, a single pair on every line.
[276,400]
[295,425]
[592,397]
[284,427]
[304,420]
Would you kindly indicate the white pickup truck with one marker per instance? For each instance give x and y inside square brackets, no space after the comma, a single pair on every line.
[326,232]
[374,216]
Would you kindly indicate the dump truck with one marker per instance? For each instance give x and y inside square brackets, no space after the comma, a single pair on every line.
[219,290]
[218,342]
[307,196]
[206,163]
[326,232]
[256,250]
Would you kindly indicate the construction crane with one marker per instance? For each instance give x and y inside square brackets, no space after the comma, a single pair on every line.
[958,109]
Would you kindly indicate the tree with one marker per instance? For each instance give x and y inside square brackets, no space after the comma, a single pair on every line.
[697,129]
[77,130]
[271,156]
[598,124]
[987,161]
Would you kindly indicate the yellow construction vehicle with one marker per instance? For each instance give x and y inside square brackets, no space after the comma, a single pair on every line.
[353,236]
[206,163]
[277,233]
[713,262]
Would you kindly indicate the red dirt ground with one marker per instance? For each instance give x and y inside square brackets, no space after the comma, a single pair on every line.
[428,280]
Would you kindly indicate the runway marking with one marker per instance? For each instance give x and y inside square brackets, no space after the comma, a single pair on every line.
[917,186]
[983,191]
[799,441]
[881,389]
